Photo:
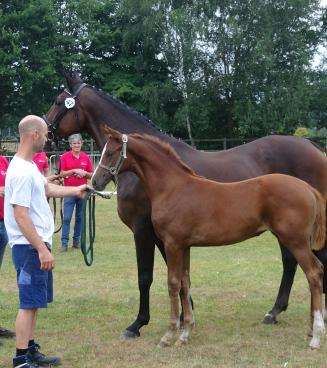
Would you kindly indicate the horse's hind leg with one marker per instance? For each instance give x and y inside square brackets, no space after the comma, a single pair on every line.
[186,301]
[281,303]
[313,270]
[175,262]
[322,256]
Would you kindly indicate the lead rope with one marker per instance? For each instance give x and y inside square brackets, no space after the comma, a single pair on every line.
[89,206]
[54,200]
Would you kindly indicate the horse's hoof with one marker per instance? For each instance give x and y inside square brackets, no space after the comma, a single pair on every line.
[180,342]
[163,344]
[129,335]
[324,314]
[315,343]
[269,319]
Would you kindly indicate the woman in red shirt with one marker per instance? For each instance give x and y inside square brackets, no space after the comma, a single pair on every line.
[76,169]
[41,161]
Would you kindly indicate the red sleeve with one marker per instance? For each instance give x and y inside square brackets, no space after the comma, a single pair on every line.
[89,167]
[63,166]
[46,162]
[5,162]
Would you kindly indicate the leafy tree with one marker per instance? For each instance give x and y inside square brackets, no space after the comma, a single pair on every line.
[262,51]
[198,68]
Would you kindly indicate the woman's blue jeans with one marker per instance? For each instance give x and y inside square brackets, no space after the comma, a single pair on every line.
[69,204]
[3,240]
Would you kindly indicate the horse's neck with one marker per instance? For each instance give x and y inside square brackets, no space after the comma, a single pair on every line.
[158,172]
[119,117]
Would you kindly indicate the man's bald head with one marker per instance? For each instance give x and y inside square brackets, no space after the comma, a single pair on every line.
[31,123]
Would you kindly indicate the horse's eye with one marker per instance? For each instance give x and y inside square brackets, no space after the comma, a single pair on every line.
[57,101]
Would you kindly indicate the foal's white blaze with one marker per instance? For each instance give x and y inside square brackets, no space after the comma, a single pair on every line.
[317,330]
[100,162]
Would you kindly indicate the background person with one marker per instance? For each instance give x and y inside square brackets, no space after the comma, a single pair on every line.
[3,233]
[30,226]
[76,169]
[41,161]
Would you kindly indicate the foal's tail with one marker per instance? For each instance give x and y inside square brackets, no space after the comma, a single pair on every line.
[318,235]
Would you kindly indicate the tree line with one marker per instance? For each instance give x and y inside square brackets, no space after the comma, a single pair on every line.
[197,69]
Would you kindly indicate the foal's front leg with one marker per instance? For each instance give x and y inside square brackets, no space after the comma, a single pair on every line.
[175,270]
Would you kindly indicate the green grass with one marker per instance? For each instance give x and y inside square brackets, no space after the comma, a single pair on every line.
[232,287]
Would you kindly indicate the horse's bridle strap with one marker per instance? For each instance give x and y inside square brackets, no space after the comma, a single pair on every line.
[114,170]
[77,92]
[52,126]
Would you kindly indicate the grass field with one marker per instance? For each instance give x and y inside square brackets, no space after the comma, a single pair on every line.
[232,287]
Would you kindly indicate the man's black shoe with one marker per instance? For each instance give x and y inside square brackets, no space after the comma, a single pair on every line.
[24,361]
[6,333]
[76,245]
[41,359]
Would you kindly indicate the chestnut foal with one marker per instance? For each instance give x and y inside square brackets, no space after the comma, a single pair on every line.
[189,210]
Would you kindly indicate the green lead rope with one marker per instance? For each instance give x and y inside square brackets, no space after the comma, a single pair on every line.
[90,201]
[88,250]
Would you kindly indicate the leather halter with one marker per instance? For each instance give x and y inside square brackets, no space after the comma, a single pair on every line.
[68,105]
[114,170]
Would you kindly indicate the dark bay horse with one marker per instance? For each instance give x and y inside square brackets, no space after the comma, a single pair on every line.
[81,107]
[189,210]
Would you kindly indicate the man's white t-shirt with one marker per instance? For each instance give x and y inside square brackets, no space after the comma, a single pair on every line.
[25,186]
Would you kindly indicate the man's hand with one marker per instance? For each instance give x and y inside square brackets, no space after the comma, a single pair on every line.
[81,190]
[55,179]
[46,259]
[2,191]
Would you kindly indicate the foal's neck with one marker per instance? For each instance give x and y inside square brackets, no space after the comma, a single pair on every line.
[158,171]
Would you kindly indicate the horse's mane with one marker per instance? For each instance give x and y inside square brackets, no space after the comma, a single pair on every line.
[122,105]
[317,145]
[167,149]
[75,81]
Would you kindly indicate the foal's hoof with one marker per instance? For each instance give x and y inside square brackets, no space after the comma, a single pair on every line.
[163,344]
[269,319]
[314,344]
[180,342]
[129,335]
[324,314]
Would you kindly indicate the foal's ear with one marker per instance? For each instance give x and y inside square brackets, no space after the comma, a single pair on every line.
[113,137]
[106,130]
[114,142]
[114,133]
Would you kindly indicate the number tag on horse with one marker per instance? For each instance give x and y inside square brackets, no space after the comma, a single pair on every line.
[69,102]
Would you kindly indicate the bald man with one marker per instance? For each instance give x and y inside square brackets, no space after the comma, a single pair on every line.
[29,224]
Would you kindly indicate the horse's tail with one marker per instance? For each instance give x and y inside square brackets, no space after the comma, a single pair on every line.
[318,236]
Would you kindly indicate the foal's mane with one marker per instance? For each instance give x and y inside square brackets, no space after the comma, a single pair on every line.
[166,149]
